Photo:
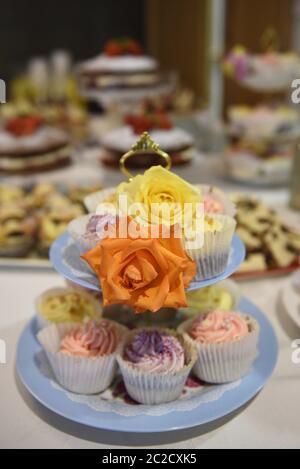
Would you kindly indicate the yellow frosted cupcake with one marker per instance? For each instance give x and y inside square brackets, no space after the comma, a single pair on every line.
[225,296]
[65,305]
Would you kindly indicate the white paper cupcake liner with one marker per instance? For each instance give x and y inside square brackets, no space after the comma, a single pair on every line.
[81,375]
[224,363]
[218,196]
[41,322]
[212,258]
[156,388]
[93,200]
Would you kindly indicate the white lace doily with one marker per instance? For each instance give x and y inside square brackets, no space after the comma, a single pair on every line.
[110,401]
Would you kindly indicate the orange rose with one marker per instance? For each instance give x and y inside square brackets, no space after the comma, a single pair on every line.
[144,273]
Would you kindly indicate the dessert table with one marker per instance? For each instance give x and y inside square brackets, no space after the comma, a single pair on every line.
[271,420]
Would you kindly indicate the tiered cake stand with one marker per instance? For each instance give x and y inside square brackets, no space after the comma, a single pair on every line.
[113,409]
[267,80]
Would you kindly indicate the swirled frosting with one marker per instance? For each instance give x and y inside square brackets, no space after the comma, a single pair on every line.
[91,340]
[155,352]
[218,327]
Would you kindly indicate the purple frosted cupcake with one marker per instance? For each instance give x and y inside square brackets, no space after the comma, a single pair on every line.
[155,364]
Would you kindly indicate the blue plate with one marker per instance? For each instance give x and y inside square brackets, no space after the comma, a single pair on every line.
[196,411]
[66,260]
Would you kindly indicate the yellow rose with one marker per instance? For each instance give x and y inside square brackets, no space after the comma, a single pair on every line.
[155,187]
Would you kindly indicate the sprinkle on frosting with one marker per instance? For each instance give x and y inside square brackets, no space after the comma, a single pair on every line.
[91,340]
[218,327]
[156,352]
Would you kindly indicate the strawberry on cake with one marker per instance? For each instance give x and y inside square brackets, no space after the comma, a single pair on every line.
[121,65]
[123,75]
[175,141]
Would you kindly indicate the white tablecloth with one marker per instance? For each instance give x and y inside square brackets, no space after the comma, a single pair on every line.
[272,420]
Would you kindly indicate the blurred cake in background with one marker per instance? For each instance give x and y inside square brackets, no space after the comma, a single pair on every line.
[270,71]
[178,143]
[263,121]
[122,64]
[27,145]
[48,88]
[261,143]
[121,74]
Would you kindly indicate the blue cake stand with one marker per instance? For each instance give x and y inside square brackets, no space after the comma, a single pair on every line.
[66,260]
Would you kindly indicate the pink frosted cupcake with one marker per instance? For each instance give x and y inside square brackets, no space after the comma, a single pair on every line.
[155,364]
[83,358]
[216,201]
[226,343]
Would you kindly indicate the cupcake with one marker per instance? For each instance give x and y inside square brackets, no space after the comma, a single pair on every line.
[226,344]
[155,364]
[225,295]
[83,358]
[17,231]
[87,231]
[65,305]
[216,201]
[212,257]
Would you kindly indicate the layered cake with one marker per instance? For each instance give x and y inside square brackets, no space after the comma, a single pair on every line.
[122,76]
[178,143]
[28,146]
[122,64]
[261,142]
[263,121]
